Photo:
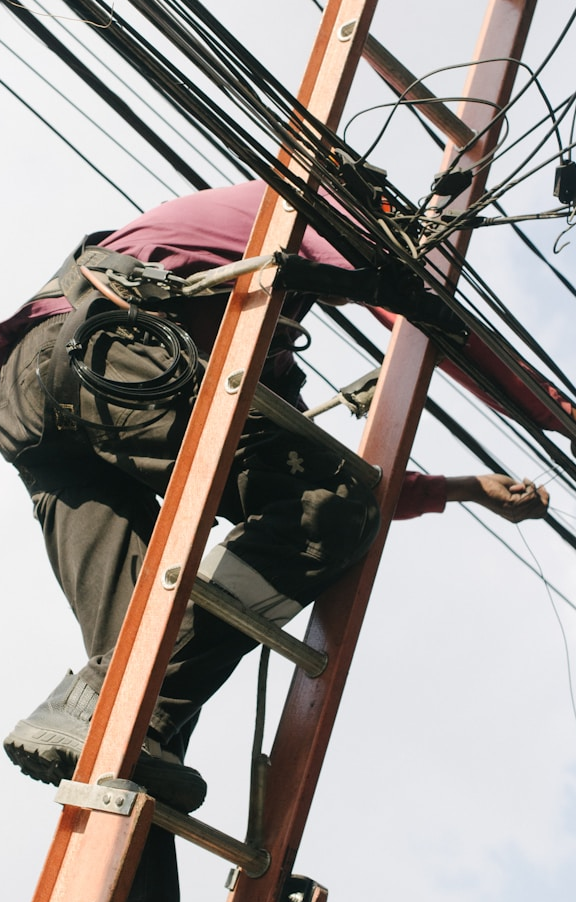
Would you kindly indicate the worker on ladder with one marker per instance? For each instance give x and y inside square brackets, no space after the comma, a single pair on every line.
[94,403]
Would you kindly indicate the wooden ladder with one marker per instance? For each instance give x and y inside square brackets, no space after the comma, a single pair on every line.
[103,828]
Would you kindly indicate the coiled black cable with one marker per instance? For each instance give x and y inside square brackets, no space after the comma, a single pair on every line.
[151,394]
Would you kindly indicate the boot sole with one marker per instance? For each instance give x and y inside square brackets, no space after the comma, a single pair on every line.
[177,786]
[46,767]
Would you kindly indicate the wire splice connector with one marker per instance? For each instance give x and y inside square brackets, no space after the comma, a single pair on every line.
[451,184]
[565,182]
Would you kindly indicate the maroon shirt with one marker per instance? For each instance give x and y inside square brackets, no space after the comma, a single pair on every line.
[195,233]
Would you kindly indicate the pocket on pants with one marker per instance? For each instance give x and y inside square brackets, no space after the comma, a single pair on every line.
[21,397]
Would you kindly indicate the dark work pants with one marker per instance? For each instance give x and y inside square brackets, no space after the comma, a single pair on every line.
[301,520]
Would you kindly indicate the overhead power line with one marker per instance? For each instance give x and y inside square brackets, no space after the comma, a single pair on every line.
[70,144]
[273,115]
[116,102]
[449,422]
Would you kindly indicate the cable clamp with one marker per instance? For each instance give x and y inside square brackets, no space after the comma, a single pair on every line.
[148,281]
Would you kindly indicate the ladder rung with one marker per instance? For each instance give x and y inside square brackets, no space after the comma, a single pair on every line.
[232,611]
[282,413]
[254,861]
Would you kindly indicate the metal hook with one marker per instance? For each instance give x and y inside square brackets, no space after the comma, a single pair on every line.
[570,226]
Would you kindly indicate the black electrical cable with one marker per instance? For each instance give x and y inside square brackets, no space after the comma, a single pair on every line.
[501,397]
[519,368]
[116,102]
[455,428]
[466,218]
[180,40]
[316,210]
[549,56]
[414,104]
[156,112]
[554,129]
[88,118]
[410,87]
[126,327]
[402,100]
[473,278]
[467,272]
[201,53]
[72,147]
[196,107]
[351,243]
[499,190]
[188,98]
[247,64]
[441,144]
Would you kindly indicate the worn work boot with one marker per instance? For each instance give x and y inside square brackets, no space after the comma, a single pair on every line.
[46,746]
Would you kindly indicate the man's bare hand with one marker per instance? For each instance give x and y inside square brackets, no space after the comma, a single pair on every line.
[514,501]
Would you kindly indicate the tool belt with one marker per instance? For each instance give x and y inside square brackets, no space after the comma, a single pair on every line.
[137,283]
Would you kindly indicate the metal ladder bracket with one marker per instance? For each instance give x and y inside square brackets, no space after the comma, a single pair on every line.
[109,794]
[303,889]
[296,888]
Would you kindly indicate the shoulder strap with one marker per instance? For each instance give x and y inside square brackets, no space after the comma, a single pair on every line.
[70,283]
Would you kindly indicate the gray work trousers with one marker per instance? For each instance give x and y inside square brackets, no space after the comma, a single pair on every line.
[95,494]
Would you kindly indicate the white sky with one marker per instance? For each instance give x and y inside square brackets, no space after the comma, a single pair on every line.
[452,770]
